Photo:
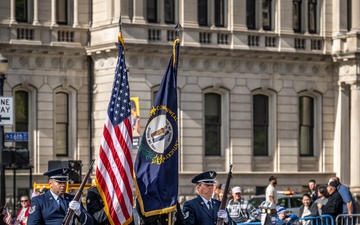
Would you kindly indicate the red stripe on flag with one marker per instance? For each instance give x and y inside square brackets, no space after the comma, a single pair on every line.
[119,167]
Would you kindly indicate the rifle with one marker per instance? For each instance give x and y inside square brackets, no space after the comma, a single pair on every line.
[78,194]
[224,199]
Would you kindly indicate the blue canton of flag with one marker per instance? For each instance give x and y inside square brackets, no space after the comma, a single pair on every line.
[119,107]
[156,165]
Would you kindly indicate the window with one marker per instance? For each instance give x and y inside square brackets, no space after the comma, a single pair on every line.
[169,11]
[306,126]
[21,10]
[61,12]
[203,12]
[62,124]
[349,15]
[219,13]
[297,11]
[22,115]
[151,11]
[251,14]
[266,14]
[212,117]
[260,125]
[312,16]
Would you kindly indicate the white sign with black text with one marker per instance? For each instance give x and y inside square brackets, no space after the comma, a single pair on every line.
[6,110]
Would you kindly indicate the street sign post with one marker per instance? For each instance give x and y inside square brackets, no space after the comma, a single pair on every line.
[6,110]
[16,136]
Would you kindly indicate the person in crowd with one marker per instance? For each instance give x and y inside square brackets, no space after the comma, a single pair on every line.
[349,203]
[322,198]
[239,209]
[220,195]
[271,192]
[204,210]
[23,212]
[217,189]
[51,208]
[305,208]
[282,217]
[335,202]
[313,192]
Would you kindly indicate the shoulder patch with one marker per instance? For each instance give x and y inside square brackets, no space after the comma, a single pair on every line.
[186,215]
[32,209]
[88,201]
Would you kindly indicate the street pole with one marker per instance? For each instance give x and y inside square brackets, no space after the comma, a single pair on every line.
[3,69]
[3,185]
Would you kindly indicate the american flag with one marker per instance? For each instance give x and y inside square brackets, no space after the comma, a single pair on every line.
[114,173]
[7,216]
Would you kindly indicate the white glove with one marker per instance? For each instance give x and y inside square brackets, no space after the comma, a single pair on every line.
[75,206]
[223,215]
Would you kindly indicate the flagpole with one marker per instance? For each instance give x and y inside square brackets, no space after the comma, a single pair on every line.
[178,28]
[120,25]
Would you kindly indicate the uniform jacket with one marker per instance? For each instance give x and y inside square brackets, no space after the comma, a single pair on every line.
[23,222]
[197,213]
[46,211]
[95,207]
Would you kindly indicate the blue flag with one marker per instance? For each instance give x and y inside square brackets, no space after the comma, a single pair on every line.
[156,165]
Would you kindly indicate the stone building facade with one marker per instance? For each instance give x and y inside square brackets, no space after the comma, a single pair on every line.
[268,86]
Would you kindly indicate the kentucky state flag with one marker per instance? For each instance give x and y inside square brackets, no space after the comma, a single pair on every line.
[156,165]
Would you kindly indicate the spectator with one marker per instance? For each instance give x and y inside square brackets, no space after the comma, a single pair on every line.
[239,209]
[271,192]
[334,204]
[217,188]
[305,209]
[282,217]
[313,192]
[322,198]
[349,203]
[23,212]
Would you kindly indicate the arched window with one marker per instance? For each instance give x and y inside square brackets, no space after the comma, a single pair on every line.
[306,126]
[260,125]
[62,124]
[22,115]
[212,118]
[310,124]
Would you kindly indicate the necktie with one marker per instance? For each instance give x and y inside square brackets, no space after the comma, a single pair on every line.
[62,204]
[210,207]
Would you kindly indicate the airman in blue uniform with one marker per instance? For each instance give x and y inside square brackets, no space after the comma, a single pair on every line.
[204,210]
[50,208]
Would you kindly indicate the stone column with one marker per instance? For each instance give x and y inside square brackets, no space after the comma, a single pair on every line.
[139,11]
[355,9]
[355,138]
[341,139]
[125,13]
[339,10]
[116,11]
[36,14]
[12,11]
[53,13]
[76,13]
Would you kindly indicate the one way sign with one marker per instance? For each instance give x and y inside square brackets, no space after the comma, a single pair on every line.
[6,111]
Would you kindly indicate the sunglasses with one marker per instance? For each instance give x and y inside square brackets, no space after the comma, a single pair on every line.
[24,200]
